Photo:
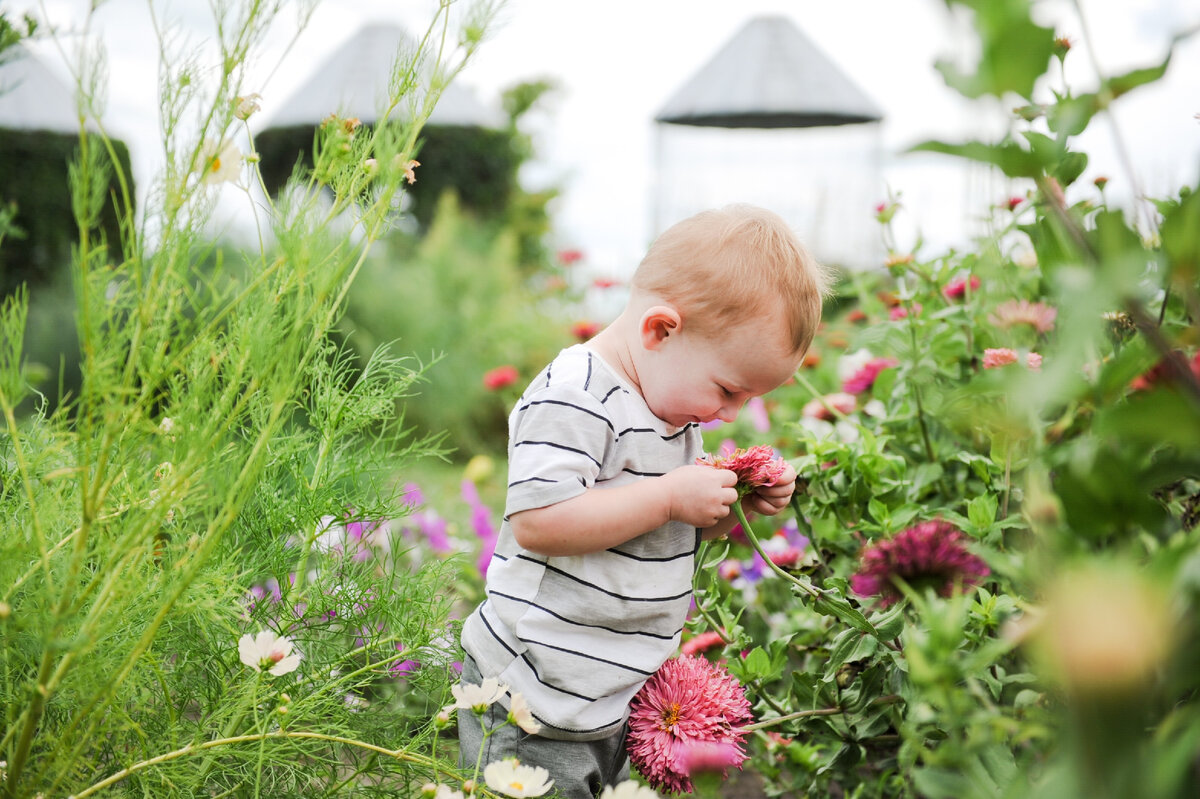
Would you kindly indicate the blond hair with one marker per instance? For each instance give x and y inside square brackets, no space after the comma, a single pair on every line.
[721,267]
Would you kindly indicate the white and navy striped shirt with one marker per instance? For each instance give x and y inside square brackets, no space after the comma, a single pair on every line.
[577,636]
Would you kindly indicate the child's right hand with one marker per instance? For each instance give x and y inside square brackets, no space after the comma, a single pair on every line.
[700,495]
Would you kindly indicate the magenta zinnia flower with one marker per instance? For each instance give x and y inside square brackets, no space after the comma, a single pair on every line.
[754,467]
[864,378]
[958,287]
[687,702]
[931,553]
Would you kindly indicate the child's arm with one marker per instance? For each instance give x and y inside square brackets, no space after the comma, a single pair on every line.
[767,500]
[601,518]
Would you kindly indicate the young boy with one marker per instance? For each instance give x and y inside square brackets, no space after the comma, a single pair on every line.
[590,584]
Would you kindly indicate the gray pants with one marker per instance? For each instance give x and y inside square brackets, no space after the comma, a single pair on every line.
[580,769]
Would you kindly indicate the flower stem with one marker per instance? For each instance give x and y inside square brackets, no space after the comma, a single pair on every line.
[822,711]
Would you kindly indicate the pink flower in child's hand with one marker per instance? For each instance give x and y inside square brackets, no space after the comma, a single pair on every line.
[864,378]
[754,467]
[958,287]
[931,553]
[687,702]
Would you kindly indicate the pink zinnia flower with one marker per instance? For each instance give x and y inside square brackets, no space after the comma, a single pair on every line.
[501,376]
[702,643]
[754,467]
[687,702]
[1037,315]
[931,553]
[820,408]
[901,312]
[994,358]
[568,257]
[864,378]
[958,287]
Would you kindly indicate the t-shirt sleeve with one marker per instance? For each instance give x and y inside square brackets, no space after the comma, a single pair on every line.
[557,441]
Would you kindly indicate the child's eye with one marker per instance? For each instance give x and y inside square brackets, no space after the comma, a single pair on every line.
[725,392]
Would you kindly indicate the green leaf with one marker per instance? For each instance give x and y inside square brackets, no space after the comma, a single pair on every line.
[757,663]
[981,511]
[1012,159]
[1070,167]
[1122,84]
[1014,51]
[935,783]
[831,604]
[1180,231]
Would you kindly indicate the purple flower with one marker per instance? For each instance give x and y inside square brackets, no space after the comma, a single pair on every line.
[481,521]
[929,554]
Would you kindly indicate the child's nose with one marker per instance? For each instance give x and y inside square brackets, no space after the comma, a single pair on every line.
[728,413]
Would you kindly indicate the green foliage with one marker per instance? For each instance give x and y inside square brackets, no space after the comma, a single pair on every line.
[458,298]
[226,467]
[1070,670]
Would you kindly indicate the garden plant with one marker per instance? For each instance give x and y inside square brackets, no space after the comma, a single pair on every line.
[219,577]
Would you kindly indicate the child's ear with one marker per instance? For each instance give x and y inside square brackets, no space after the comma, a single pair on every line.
[657,324]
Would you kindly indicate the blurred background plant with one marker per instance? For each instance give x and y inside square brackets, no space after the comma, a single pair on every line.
[206,587]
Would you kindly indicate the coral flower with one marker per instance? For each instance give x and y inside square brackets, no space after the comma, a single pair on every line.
[268,652]
[501,376]
[931,553]
[754,467]
[958,287]
[864,378]
[994,358]
[1037,315]
[702,643]
[568,257]
[688,701]
[585,329]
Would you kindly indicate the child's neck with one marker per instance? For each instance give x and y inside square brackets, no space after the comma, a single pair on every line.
[613,346]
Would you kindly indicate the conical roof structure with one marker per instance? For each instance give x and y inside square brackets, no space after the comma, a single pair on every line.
[769,75]
[353,80]
[33,97]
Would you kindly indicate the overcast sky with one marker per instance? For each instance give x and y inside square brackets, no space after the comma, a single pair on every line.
[618,61]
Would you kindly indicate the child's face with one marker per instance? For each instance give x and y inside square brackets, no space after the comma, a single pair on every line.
[697,378]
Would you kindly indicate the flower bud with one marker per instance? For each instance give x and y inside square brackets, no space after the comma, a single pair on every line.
[244,107]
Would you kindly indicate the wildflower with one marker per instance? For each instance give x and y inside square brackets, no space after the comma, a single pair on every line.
[897,260]
[519,713]
[811,360]
[1013,202]
[1062,45]
[687,701]
[481,521]
[1037,315]
[500,377]
[928,554]
[409,171]
[754,467]
[245,107]
[862,380]
[702,642]
[167,427]
[994,358]
[727,570]
[403,667]
[568,257]
[885,211]
[469,696]
[585,329]
[605,282]
[829,406]
[268,651]
[856,315]
[1100,182]
[1166,371]
[511,778]
[900,312]
[628,790]
[438,791]
[220,163]
[756,409]
[958,287]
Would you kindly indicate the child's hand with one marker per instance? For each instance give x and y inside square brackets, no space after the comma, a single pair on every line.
[770,500]
[701,495]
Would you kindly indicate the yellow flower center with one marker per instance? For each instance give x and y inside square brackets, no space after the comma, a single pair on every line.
[670,717]
[216,164]
[516,786]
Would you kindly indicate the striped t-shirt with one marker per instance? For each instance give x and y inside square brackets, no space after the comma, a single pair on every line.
[577,636]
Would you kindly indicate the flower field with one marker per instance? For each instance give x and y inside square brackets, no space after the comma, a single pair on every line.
[236,561]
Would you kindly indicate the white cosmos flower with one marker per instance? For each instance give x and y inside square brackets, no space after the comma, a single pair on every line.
[628,790]
[513,779]
[220,163]
[520,714]
[267,651]
[440,791]
[849,364]
[469,696]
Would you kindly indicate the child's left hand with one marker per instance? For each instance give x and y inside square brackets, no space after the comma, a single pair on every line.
[770,500]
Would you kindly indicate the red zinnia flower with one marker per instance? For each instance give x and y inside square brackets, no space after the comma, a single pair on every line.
[1013,202]
[754,467]
[928,554]
[702,643]
[1163,373]
[585,329]
[501,376]
[568,257]
[687,702]
[864,378]
[856,315]
[958,287]
[605,282]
